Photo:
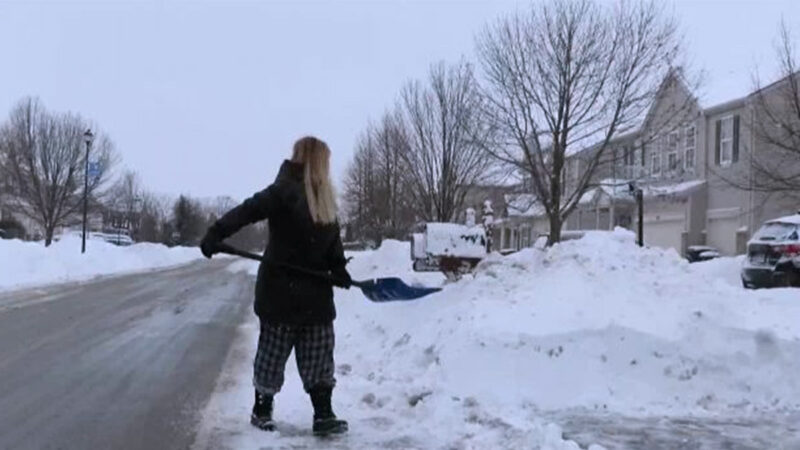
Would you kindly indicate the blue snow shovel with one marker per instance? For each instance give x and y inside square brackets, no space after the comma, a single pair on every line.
[377,290]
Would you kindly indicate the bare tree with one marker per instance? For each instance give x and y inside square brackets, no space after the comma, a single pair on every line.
[153,214]
[776,127]
[396,212]
[446,131]
[360,189]
[222,204]
[188,221]
[125,203]
[566,76]
[43,156]
[251,237]
[376,204]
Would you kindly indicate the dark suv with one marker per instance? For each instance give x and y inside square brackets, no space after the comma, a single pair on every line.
[773,255]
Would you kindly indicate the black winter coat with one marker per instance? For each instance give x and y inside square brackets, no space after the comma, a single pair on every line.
[284,296]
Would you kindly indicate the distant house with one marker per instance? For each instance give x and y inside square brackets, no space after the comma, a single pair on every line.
[682,164]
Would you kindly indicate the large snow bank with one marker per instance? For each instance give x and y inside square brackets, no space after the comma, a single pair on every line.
[596,323]
[29,263]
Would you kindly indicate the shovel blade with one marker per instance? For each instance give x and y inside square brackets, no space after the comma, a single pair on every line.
[393,289]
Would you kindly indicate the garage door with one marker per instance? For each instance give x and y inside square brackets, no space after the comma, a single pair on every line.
[721,234]
[664,233]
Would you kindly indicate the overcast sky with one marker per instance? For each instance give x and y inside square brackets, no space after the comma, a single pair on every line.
[206,98]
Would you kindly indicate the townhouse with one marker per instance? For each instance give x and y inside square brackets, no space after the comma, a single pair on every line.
[691,163]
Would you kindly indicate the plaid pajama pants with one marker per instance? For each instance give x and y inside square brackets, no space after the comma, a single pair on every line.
[313,351]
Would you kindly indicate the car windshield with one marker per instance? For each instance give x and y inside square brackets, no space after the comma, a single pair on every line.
[778,231]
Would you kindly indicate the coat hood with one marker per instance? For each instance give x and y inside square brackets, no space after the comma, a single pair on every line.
[290,170]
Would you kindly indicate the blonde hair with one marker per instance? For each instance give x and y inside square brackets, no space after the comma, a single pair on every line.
[315,155]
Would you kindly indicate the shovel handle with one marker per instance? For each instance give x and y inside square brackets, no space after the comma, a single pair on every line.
[231,250]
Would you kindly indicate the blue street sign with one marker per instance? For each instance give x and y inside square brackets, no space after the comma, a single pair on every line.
[94,169]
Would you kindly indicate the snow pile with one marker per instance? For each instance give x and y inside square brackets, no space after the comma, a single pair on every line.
[725,268]
[593,324]
[30,263]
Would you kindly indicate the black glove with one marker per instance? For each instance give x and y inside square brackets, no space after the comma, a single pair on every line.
[341,278]
[209,246]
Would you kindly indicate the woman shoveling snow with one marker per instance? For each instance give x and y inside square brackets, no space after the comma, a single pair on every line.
[296,311]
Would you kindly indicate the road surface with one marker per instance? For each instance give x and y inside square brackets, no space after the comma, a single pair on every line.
[129,363]
[122,363]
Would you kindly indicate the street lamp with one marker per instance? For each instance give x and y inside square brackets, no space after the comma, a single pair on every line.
[639,197]
[88,137]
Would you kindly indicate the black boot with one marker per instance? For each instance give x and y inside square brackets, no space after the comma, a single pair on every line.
[325,421]
[262,413]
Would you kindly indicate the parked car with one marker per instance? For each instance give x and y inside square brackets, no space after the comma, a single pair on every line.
[118,239]
[697,253]
[773,255]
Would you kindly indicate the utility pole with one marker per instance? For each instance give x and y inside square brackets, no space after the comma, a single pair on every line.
[639,196]
[640,205]
[87,138]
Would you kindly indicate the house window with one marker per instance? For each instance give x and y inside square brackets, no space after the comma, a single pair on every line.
[672,161]
[655,164]
[628,155]
[688,148]
[643,155]
[672,150]
[726,140]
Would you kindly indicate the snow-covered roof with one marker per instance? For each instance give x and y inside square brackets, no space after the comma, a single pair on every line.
[610,188]
[793,219]
[619,190]
[722,88]
[524,205]
[675,189]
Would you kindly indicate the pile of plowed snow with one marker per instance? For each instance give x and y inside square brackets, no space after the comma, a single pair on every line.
[597,323]
[31,263]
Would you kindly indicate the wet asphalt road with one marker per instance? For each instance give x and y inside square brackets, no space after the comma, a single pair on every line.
[129,362]
[120,363]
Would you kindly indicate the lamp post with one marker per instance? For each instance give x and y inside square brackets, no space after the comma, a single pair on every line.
[639,197]
[87,139]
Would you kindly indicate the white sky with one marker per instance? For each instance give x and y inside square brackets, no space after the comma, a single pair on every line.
[206,98]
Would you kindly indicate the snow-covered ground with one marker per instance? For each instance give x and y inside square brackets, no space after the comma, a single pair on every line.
[24,264]
[596,323]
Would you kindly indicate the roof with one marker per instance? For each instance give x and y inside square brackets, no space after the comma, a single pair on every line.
[619,190]
[793,219]
[676,189]
[724,89]
[524,205]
